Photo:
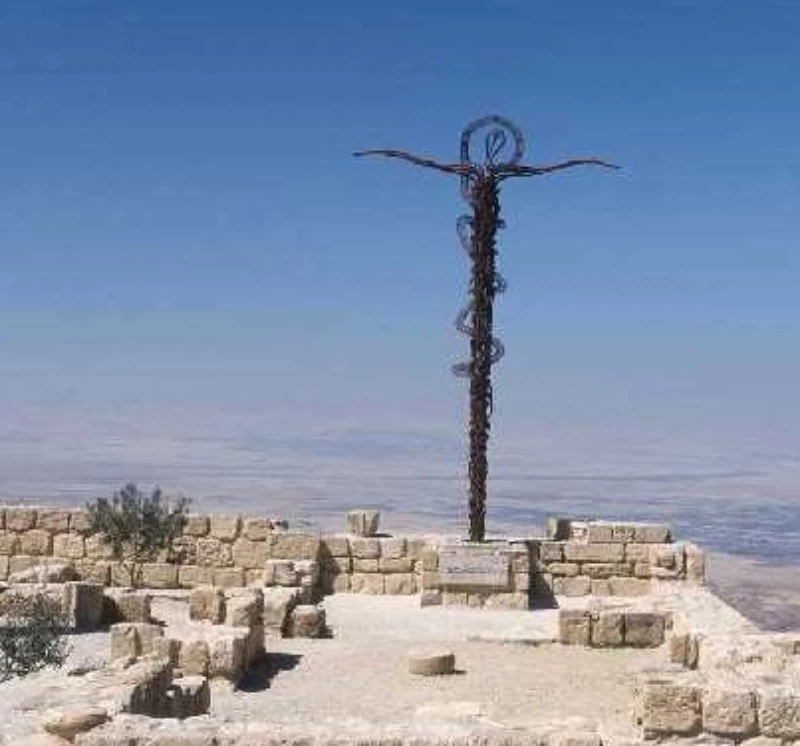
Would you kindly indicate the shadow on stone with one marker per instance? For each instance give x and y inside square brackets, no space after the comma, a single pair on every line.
[259,677]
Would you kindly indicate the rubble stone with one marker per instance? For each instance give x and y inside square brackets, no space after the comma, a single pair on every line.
[431,663]
[729,712]
[67,722]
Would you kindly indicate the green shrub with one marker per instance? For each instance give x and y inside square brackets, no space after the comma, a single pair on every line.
[138,527]
[32,629]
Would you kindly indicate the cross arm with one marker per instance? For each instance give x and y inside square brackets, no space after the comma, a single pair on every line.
[460,169]
[509,170]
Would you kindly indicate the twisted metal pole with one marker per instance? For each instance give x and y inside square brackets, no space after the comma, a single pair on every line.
[503,149]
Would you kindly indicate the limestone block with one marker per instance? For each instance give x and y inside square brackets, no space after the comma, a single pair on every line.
[564,569]
[129,605]
[131,640]
[229,577]
[623,533]
[644,629]
[340,584]
[21,562]
[227,654]
[53,520]
[392,547]
[169,648]
[369,583]
[521,582]
[191,576]
[652,533]
[608,629]
[337,565]
[80,521]
[416,546]
[365,565]
[307,620]
[430,598]
[281,572]
[630,587]
[695,560]
[150,680]
[194,657]
[430,560]
[250,554]
[9,543]
[605,570]
[295,546]
[577,552]
[192,696]
[762,741]
[779,712]
[574,627]
[256,529]
[207,602]
[46,570]
[637,552]
[211,552]
[558,528]
[363,522]
[20,519]
[431,662]
[224,527]
[83,604]
[92,571]
[729,711]
[400,584]
[365,548]
[36,542]
[336,546]
[577,586]
[97,549]
[67,722]
[509,601]
[245,609]
[159,575]
[601,588]
[551,551]
[669,707]
[69,546]
[307,569]
[278,604]
[3,567]
[197,524]
[601,533]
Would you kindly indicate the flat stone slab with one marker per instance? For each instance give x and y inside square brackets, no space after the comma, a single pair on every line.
[477,566]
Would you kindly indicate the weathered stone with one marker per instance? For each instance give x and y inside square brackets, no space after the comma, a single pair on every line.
[652,533]
[337,565]
[669,707]
[369,583]
[365,565]
[160,575]
[601,588]
[36,542]
[194,657]
[637,552]
[695,560]
[69,546]
[572,587]
[207,602]
[295,546]
[510,601]
[67,722]
[564,569]
[256,529]
[97,549]
[393,547]
[211,552]
[227,654]
[400,584]
[558,528]
[474,567]
[129,605]
[576,552]
[229,577]
[278,604]
[431,580]
[124,641]
[196,525]
[762,741]
[779,712]
[336,546]
[83,604]
[363,522]
[250,554]
[20,519]
[600,533]
[605,570]
[340,584]
[644,629]
[191,576]
[224,527]
[9,543]
[608,629]
[281,572]
[3,567]
[574,627]
[365,548]
[551,551]
[80,521]
[48,571]
[42,739]
[245,609]
[22,562]
[431,662]
[307,620]
[53,520]
[307,569]
[430,598]
[729,711]
[93,571]
[520,582]
[194,695]
[169,648]
[629,587]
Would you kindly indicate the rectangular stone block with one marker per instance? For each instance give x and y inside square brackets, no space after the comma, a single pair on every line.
[629,587]
[245,609]
[194,657]
[392,547]
[207,603]
[369,583]
[53,520]
[281,572]
[415,546]
[669,708]
[93,571]
[608,629]
[229,577]
[340,584]
[362,547]
[637,552]
[474,567]
[729,711]
[169,648]
[256,529]
[365,565]
[600,533]
[431,581]
[224,527]
[336,565]
[9,543]
[577,552]
[20,519]
[431,598]
[129,605]
[191,576]
[564,569]
[558,528]
[572,587]
[36,542]
[159,575]
[83,604]
[213,552]
[574,627]
[80,521]
[250,554]
[197,524]
[455,598]
[507,601]
[294,545]
[400,584]
[605,570]
[21,562]
[392,565]
[695,561]
[335,546]
[653,533]
[430,560]
[97,549]
[644,629]
[3,567]
[601,588]
[69,546]
[779,712]
[520,582]
[551,551]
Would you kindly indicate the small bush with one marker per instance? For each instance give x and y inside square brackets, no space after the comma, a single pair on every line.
[138,527]
[32,629]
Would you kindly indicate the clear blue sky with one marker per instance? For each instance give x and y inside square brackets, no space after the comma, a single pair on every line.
[180,218]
